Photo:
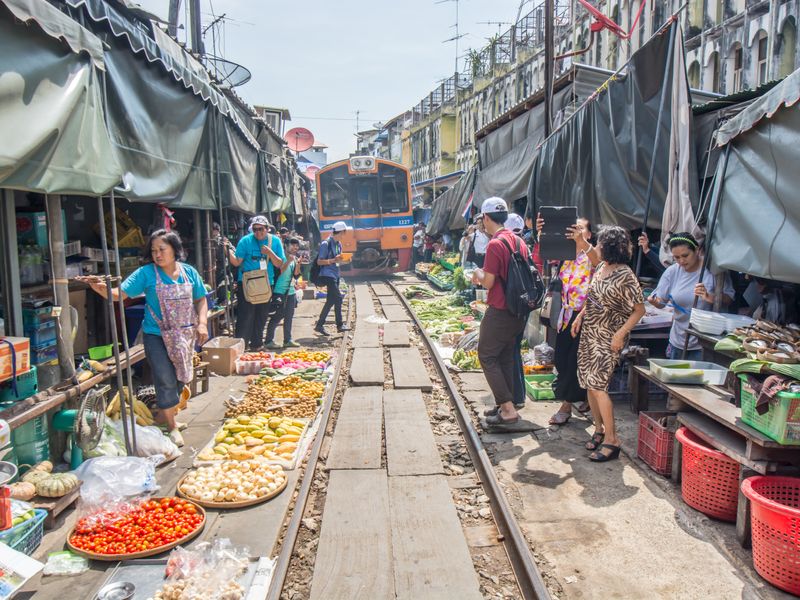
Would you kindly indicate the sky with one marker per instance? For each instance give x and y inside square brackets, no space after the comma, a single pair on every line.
[325,60]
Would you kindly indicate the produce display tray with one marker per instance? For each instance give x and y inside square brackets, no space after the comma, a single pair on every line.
[690,372]
[148,576]
[537,393]
[286,464]
[439,283]
[447,265]
[224,505]
[143,553]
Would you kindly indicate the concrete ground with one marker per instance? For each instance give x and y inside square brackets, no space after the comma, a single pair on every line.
[615,530]
[257,527]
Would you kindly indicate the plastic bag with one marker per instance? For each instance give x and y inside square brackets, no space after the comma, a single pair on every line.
[151,442]
[208,570]
[111,443]
[112,480]
[65,563]
[543,354]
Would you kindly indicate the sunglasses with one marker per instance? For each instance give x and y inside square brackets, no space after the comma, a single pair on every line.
[259,229]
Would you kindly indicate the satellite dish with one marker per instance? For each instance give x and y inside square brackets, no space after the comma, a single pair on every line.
[312,171]
[299,139]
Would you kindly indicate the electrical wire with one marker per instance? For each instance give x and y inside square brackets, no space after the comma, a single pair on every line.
[778,198]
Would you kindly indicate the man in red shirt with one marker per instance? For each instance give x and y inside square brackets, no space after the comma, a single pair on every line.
[499,328]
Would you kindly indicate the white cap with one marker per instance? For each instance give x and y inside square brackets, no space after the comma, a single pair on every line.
[339,226]
[493,205]
[514,223]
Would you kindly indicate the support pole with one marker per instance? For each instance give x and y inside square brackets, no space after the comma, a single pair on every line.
[548,66]
[9,266]
[58,265]
[123,326]
[223,229]
[716,200]
[210,274]
[113,326]
[651,175]
[198,241]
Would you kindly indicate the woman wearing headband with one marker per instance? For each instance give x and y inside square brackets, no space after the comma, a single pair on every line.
[678,287]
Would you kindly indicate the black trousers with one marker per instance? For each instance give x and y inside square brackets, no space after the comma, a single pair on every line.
[286,314]
[496,344]
[333,300]
[250,320]
[566,386]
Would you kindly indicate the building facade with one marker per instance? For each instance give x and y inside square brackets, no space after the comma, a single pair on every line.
[731,45]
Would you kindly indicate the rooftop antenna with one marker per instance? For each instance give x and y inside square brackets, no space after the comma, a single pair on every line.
[457,36]
[498,23]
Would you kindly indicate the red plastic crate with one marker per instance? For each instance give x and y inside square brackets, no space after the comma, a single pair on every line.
[709,479]
[656,442]
[775,524]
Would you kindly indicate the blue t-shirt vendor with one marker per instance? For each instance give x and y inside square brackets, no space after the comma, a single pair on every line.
[258,250]
[176,317]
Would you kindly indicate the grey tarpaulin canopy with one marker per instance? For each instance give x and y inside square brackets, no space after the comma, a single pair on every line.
[54,137]
[758,223]
[600,158]
[507,155]
[447,211]
[172,130]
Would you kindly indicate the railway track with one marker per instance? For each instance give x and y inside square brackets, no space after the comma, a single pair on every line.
[486,555]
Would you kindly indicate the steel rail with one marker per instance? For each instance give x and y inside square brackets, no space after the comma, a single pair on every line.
[282,562]
[526,572]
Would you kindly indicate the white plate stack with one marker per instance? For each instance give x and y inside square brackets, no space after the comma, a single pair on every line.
[707,321]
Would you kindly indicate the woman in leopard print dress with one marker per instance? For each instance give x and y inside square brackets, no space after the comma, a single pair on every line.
[613,306]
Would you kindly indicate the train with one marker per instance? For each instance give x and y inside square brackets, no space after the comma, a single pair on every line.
[373,197]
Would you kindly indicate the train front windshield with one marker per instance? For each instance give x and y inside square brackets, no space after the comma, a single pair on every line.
[343,194]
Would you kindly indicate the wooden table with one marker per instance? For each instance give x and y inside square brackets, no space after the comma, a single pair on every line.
[709,413]
[38,404]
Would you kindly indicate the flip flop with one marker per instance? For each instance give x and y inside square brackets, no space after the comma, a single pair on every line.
[598,456]
[560,418]
[595,442]
[496,419]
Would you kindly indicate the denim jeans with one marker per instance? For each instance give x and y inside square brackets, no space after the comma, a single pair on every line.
[677,353]
[333,300]
[164,379]
[286,314]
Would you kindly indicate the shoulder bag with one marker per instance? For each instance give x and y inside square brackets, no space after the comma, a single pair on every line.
[551,307]
[256,285]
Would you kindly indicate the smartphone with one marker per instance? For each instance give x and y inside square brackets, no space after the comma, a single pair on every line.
[553,241]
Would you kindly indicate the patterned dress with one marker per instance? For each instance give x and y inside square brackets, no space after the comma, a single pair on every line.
[609,304]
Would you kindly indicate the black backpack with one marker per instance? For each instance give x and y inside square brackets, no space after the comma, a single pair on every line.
[315,268]
[523,286]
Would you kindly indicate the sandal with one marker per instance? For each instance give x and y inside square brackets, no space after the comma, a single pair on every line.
[583,407]
[497,419]
[595,442]
[560,418]
[598,456]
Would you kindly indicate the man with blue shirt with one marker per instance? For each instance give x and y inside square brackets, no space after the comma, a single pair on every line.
[258,250]
[330,252]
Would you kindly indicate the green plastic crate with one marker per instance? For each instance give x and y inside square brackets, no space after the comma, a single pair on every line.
[537,393]
[27,386]
[781,422]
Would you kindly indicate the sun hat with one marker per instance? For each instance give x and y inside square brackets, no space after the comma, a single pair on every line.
[339,226]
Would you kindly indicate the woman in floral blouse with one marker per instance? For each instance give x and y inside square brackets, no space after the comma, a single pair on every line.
[575,276]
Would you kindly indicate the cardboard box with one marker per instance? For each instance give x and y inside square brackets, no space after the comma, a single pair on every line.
[22,351]
[221,354]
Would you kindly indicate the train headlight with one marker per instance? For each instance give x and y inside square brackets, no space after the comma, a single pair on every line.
[404,237]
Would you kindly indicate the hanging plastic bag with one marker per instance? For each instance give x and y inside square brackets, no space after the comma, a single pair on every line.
[151,442]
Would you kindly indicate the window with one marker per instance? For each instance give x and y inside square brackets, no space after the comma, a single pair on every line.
[364,195]
[788,47]
[334,192]
[762,59]
[712,72]
[694,75]
[737,68]
[394,189]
